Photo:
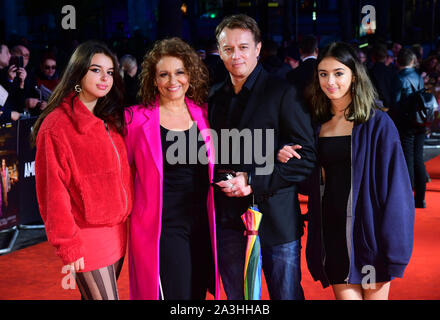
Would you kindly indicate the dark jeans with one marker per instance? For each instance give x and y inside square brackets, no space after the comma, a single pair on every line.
[281,266]
[412,145]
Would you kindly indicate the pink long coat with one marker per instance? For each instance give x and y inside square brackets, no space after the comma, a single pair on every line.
[144,149]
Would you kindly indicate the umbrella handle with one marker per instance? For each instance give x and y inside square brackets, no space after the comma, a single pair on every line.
[161,291]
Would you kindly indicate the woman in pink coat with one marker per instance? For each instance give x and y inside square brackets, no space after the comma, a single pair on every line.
[172,242]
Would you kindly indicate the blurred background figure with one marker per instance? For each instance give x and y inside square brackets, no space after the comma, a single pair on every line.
[28,83]
[302,76]
[8,73]
[390,58]
[216,68]
[412,138]
[381,75]
[47,75]
[271,61]
[130,73]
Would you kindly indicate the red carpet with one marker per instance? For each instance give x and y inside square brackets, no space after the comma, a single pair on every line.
[35,272]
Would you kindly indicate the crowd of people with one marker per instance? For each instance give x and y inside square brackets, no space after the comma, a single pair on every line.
[185,230]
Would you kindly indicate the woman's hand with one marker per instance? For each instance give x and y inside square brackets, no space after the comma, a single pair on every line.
[288,152]
[78,265]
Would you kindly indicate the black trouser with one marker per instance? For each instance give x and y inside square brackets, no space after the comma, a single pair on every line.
[185,247]
[412,145]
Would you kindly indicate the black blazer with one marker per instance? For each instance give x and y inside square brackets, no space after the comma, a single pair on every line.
[273,104]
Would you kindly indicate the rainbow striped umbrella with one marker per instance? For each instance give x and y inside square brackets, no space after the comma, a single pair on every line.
[252,265]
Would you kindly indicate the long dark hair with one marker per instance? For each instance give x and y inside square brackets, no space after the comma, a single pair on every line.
[108,108]
[363,93]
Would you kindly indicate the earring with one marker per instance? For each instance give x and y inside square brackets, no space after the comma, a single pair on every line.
[78,88]
[352,89]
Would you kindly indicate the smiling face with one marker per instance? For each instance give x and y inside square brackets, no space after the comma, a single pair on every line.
[172,79]
[98,80]
[335,80]
[239,52]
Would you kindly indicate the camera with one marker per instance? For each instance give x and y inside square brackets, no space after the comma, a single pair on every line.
[17,61]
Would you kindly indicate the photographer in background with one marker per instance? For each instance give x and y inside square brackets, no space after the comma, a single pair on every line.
[7,75]
[31,101]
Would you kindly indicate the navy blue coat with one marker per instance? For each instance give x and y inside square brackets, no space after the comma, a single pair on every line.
[380,210]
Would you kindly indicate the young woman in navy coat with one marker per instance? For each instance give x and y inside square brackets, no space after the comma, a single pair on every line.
[361,206]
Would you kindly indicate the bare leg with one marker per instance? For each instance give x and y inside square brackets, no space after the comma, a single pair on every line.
[380,292]
[347,291]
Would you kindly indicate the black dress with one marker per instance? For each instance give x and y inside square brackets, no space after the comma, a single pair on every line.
[185,247]
[335,158]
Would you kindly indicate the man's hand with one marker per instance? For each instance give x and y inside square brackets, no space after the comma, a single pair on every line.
[22,74]
[236,187]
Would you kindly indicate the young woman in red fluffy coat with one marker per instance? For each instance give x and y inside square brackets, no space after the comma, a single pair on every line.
[83,179]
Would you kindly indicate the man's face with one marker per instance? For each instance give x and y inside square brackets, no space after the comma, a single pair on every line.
[239,52]
[5,56]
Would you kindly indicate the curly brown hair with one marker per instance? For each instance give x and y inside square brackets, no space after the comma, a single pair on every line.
[174,47]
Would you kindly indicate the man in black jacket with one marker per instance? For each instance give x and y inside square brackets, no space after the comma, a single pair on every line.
[264,112]
[412,138]
[381,75]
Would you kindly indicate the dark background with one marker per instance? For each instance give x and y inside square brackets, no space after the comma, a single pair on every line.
[131,26]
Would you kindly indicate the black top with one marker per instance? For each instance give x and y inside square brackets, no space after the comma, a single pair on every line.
[185,181]
[185,166]
[229,118]
[335,157]
[237,102]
